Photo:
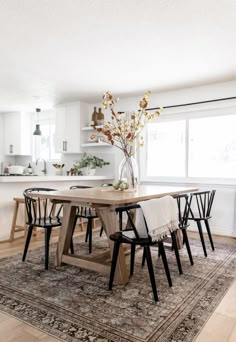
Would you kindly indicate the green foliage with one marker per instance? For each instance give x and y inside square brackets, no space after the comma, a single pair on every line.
[90,161]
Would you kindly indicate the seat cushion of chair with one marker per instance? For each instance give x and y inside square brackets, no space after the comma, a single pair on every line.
[197,218]
[85,212]
[128,236]
[47,222]
[183,226]
[87,216]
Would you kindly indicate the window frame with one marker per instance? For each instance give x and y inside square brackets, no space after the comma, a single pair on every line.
[198,111]
[45,117]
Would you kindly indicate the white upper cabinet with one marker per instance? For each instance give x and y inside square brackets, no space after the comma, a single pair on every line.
[67,137]
[17,134]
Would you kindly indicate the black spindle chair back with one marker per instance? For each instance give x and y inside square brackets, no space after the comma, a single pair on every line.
[42,213]
[183,204]
[130,223]
[40,210]
[87,213]
[84,212]
[183,209]
[203,201]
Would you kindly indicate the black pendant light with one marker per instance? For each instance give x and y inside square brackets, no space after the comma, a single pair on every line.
[37,129]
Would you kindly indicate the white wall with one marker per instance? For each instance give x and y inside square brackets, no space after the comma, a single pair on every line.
[187,95]
[1,137]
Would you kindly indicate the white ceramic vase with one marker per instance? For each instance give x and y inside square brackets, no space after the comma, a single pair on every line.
[87,171]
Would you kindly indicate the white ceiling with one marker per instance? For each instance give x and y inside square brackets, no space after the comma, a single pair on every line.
[63,50]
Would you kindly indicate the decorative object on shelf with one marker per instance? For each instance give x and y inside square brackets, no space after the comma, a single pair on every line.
[73,172]
[37,128]
[124,131]
[59,169]
[88,164]
[94,117]
[93,138]
[100,117]
[16,170]
[101,139]
[29,169]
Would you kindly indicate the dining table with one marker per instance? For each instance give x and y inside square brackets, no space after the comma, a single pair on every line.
[105,201]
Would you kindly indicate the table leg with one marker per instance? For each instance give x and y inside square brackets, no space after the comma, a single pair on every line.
[66,232]
[179,239]
[109,221]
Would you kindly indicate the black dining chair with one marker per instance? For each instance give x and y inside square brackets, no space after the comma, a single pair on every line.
[183,216]
[134,238]
[89,214]
[183,224]
[85,213]
[203,201]
[42,213]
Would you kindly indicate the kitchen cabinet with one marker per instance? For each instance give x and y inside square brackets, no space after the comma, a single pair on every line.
[17,134]
[67,136]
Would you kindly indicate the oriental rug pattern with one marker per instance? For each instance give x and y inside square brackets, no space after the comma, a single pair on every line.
[75,305]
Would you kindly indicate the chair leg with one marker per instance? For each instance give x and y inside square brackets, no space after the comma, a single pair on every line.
[71,241]
[72,246]
[27,241]
[209,234]
[151,272]
[202,237]
[175,247]
[165,263]
[87,232]
[120,221]
[90,233]
[143,259]
[113,263]
[47,239]
[101,231]
[132,257]
[186,241]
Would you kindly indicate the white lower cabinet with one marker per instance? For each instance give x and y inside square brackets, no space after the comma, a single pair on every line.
[67,137]
[17,134]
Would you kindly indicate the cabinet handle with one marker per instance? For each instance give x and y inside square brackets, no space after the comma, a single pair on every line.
[63,146]
[66,146]
[10,148]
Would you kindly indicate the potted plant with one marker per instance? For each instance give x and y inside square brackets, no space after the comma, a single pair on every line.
[89,163]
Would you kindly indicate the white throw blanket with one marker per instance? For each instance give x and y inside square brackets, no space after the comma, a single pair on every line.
[161,216]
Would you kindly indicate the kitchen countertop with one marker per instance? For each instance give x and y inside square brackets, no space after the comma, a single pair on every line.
[26,179]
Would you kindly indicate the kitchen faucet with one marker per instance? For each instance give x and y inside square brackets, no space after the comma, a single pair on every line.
[44,165]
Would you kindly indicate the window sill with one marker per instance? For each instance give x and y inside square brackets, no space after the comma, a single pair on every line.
[221,182]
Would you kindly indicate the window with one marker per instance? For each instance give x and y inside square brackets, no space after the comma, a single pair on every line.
[166,149]
[212,147]
[44,145]
[191,145]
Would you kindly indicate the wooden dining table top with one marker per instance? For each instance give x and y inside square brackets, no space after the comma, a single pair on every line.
[109,196]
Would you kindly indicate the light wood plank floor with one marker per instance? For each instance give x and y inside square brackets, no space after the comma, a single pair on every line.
[221,326]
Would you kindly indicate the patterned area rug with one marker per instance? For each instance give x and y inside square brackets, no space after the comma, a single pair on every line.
[75,305]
